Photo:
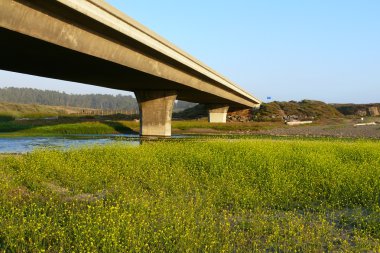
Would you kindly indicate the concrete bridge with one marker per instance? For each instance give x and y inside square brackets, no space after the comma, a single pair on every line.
[89,41]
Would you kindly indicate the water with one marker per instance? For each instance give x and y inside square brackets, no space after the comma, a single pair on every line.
[28,144]
[14,145]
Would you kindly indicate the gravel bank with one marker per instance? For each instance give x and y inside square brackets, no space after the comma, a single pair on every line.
[326,130]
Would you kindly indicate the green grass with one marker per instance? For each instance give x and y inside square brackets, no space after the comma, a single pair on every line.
[66,126]
[74,125]
[74,128]
[229,126]
[11,111]
[196,196]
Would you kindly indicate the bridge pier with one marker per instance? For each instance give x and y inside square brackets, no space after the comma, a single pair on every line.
[156,107]
[217,113]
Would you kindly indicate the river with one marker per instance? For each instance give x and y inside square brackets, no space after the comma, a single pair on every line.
[20,145]
[28,144]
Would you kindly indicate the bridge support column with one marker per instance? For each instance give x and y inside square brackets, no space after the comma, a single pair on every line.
[156,107]
[217,113]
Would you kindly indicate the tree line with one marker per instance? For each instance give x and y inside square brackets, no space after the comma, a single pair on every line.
[56,98]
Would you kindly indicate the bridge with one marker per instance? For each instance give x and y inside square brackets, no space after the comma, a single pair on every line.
[89,41]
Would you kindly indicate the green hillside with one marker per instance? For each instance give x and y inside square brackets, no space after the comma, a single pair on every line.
[303,110]
[55,98]
[94,101]
[11,111]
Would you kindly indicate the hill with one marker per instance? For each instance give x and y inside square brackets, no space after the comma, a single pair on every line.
[303,110]
[195,112]
[361,110]
[28,102]
[11,111]
[274,111]
[55,98]
[94,101]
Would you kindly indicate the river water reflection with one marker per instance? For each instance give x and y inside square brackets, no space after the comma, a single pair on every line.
[28,144]
[9,145]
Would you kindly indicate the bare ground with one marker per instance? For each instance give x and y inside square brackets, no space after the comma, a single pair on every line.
[341,130]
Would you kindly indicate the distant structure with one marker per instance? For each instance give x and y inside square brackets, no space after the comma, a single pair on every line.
[91,42]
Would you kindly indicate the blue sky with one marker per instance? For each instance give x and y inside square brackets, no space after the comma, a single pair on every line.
[326,50]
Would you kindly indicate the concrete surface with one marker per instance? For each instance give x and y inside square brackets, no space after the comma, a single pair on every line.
[156,107]
[217,113]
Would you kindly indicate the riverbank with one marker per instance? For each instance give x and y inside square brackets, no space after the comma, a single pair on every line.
[348,130]
[67,126]
[240,195]
[70,126]
[64,126]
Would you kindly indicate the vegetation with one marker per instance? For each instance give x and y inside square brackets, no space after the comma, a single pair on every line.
[195,112]
[358,109]
[65,126]
[247,195]
[104,125]
[15,103]
[11,111]
[14,111]
[305,109]
[193,125]
[55,98]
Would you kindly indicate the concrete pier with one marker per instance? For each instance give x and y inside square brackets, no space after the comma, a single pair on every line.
[156,107]
[217,113]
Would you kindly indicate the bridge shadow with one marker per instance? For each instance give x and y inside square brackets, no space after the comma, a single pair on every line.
[23,126]
[120,128]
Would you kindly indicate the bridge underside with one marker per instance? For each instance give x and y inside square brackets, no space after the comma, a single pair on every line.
[51,39]
[24,54]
